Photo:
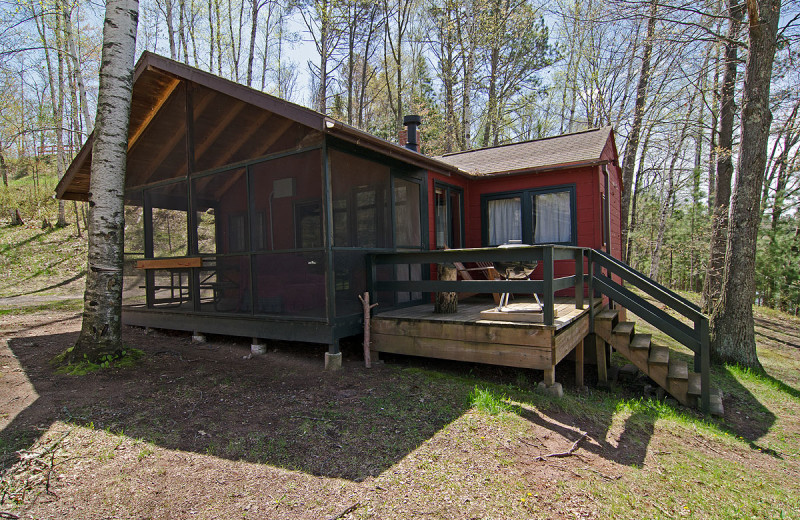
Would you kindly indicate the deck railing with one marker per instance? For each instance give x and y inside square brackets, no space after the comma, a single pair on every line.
[694,337]
[545,255]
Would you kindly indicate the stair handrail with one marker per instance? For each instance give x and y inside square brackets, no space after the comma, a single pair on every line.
[647,281]
[695,338]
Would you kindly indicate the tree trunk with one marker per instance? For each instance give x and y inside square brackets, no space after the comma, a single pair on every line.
[211,36]
[638,115]
[77,77]
[722,192]
[182,30]
[446,302]
[3,166]
[251,54]
[635,196]
[170,29]
[101,328]
[56,85]
[731,326]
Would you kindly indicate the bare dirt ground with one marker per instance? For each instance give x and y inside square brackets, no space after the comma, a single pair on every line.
[209,431]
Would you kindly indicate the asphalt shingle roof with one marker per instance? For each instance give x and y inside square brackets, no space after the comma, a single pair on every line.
[579,147]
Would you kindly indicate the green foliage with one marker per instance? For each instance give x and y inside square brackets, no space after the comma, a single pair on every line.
[488,401]
[778,266]
[30,189]
[125,358]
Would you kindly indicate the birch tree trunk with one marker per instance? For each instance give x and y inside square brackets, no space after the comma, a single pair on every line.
[76,75]
[56,96]
[102,303]
[731,325]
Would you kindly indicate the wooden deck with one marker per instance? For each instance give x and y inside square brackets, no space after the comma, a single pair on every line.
[467,336]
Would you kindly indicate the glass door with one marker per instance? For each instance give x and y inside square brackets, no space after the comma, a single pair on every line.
[449,221]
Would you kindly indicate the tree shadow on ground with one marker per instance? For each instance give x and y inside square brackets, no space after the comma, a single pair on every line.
[281,408]
[62,283]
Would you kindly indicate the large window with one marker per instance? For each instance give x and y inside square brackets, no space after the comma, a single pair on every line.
[532,216]
[169,213]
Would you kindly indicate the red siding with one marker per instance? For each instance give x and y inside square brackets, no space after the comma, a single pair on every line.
[589,185]
[585,195]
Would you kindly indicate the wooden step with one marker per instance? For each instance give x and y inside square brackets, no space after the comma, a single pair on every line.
[638,350]
[607,314]
[641,342]
[624,329]
[657,364]
[695,384]
[604,322]
[621,335]
[678,381]
[678,370]
[659,355]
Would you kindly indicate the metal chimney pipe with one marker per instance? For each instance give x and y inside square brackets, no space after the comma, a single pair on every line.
[412,122]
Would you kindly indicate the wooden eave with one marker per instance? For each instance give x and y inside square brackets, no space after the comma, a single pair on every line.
[394,151]
[156,78]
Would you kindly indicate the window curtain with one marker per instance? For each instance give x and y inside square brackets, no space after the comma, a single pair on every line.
[441,219]
[505,221]
[552,218]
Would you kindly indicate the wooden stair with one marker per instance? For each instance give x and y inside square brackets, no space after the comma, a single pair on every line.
[657,362]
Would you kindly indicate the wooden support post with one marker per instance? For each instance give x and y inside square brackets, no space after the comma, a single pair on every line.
[367,308]
[446,302]
[547,282]
[579,364]
[550,376]
[602,366]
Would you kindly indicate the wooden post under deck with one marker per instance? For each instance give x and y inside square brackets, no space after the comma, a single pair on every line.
[579,364]
[602,366]
[550,376]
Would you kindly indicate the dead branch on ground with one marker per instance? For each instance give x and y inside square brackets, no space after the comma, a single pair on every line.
[567,453]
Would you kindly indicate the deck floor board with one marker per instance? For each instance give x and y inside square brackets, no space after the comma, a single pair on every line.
[470,312]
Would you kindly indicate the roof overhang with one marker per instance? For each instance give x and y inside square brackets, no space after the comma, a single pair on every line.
[543,169]
[75,182]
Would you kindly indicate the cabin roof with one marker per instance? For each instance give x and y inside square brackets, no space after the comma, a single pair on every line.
[155,77]
[568,150]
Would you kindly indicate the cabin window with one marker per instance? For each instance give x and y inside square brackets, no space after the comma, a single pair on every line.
[552,218]
[449,228]
[505,220]
[361,202]
[407,213]
[308,218]
[133,279]
[287,195]
[169,212]
[545,216]
[220,202]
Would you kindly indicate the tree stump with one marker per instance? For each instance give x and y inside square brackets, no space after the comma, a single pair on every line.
[446,302]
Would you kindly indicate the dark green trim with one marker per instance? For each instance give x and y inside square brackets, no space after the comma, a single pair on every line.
[460,191]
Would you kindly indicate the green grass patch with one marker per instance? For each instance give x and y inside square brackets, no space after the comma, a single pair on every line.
[490,402]
[56,305]
[126,358]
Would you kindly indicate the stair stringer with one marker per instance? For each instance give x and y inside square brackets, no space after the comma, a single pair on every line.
[656,361]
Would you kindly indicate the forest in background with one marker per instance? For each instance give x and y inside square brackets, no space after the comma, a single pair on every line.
[667,75]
